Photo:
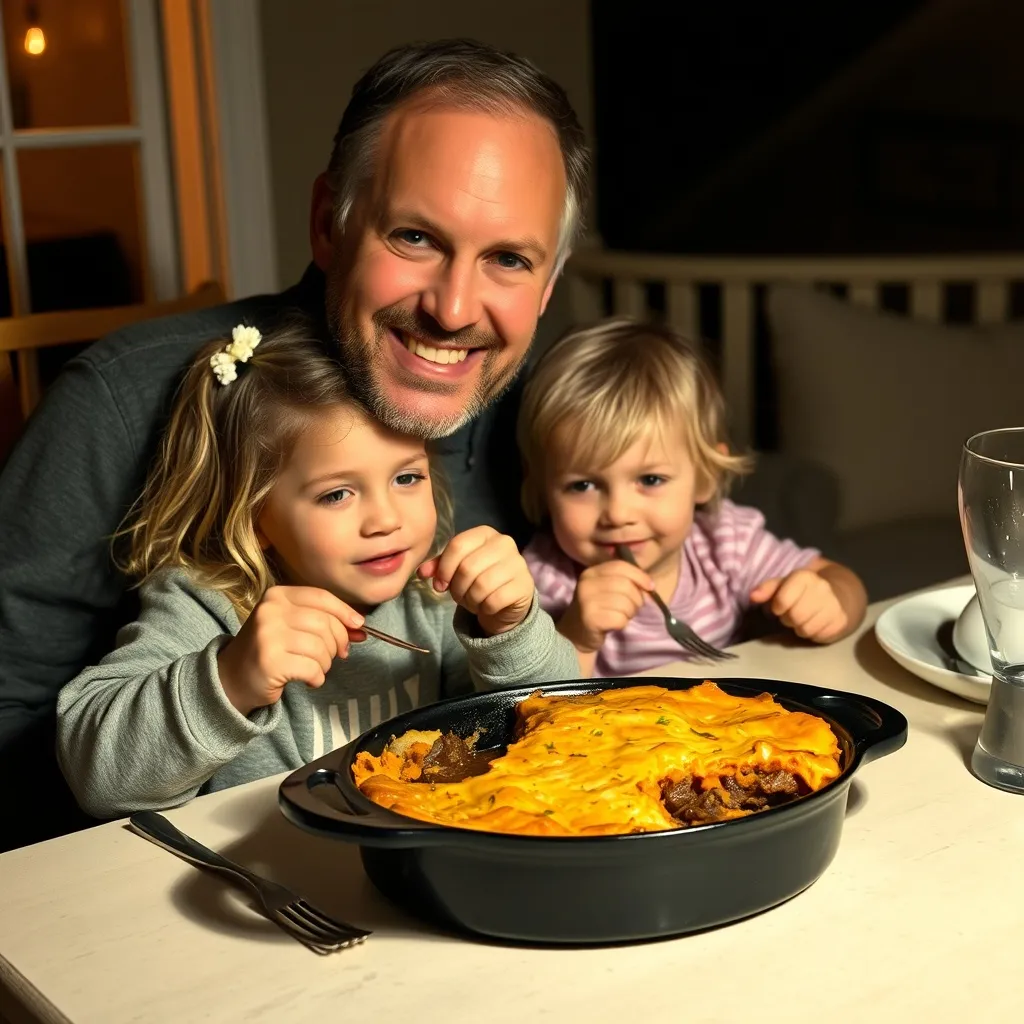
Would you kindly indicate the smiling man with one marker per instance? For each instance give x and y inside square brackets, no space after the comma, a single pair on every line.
[450,201]
[438,272]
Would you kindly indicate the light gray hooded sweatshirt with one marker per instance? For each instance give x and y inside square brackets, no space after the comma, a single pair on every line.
[150,726]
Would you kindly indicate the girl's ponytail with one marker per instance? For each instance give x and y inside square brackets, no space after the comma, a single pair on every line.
[178,510]
[230,429]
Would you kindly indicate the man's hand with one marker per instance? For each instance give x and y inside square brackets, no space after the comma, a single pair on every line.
[294,633]
[807,603]
[607,597]
[485,574]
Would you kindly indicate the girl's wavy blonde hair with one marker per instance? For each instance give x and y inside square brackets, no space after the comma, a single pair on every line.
[613,383]
[222,451]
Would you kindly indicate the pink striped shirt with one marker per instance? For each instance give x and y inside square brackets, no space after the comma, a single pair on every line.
[725,556]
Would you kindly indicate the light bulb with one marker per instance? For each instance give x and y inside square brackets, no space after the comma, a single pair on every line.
[35,41]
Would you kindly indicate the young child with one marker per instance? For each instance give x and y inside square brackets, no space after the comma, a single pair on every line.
[277,520]
[622,436]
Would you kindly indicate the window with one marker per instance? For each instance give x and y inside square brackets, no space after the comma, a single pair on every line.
[86,205]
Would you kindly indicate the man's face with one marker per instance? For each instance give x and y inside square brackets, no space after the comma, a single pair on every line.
[445,263]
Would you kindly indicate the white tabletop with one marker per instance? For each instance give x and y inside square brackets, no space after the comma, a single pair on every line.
[921,914]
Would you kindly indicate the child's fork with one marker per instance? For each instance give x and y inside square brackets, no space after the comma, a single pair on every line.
[679,631]
[303,922]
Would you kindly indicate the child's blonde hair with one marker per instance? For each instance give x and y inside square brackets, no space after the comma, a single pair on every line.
[612,382]
[221,453]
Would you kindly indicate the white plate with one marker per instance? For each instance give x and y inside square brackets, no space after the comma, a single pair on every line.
[907,631]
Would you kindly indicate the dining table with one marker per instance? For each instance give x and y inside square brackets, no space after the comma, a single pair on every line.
[920,916]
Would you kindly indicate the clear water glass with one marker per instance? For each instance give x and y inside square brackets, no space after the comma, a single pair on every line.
[990,496]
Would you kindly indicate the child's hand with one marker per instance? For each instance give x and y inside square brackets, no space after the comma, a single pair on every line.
[806,602]
[607,596]
[486,575]
[293,633]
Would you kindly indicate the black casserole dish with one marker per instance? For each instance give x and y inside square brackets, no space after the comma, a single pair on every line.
[591,889]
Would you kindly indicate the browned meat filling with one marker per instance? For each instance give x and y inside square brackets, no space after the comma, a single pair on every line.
[452,759]
[688,802]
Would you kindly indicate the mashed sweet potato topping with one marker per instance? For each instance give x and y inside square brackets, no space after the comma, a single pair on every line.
[638,759]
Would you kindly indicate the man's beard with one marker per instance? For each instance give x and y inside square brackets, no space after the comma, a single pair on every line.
[360,360]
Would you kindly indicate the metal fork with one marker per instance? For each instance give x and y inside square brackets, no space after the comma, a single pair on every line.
[679,631]
[311,927]
[389,639]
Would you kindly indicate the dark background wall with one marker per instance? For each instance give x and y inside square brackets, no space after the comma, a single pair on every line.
[876,126]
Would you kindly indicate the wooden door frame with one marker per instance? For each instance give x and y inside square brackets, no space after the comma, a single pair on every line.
[213,57]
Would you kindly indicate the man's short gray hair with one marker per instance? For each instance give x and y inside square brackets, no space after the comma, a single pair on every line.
[465,74]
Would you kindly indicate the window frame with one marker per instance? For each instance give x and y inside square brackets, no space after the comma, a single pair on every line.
[147,134]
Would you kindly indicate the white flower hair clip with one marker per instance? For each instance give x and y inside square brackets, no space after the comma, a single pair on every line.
[239,350]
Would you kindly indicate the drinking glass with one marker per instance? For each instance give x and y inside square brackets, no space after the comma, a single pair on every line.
[990,496]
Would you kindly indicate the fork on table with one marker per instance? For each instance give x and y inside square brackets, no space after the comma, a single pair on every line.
[679,631]
[311,927]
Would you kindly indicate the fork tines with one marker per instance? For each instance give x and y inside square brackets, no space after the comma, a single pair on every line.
[699,646]
[316,930]
[705,650]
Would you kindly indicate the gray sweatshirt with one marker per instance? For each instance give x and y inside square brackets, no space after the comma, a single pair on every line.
[150,725]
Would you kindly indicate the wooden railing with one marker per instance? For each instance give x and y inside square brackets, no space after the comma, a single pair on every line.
[602,282]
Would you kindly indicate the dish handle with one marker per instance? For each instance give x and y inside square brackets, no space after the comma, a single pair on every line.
[877,729]
[313,799]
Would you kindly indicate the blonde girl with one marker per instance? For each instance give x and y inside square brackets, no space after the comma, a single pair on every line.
[622,436]
[278,519]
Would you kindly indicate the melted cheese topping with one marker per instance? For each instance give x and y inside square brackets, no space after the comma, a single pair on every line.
[595,764]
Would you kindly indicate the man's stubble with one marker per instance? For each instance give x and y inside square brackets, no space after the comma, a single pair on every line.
[360,361]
